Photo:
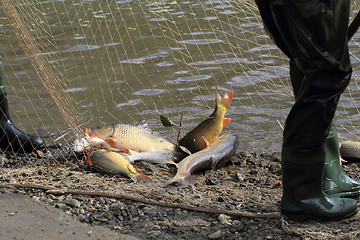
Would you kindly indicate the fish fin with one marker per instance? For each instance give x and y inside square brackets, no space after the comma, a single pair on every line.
[89,160]
[142,178]
[94,135]
[170,162]
[108,149]
[127,157]
[87,131]
[144,125]
[131,152]
[115,149]
[227,99]
[169,182]
[206,141]
[226,121]
[111,142]
[213,163]
[187,181]
[185,150]
[125,151]
[217,97]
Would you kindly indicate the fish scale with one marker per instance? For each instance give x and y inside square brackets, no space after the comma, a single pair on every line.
[216,154]
[125,136]
[208,130]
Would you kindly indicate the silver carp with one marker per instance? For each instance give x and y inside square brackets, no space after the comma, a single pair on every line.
[157,157]
[216,154]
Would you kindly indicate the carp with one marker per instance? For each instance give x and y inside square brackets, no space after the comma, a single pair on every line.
[208,131]
[88,143]
[114,163]
[350,151]
[136,138]
[157,157]
[214,155]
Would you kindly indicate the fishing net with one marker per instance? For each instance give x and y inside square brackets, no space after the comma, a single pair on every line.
[74,64]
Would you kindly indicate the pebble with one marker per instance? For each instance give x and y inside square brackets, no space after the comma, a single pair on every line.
[224,219]
[61,206]
[72,202]
[36,199]
[56,192]
[240,176]
[215,235]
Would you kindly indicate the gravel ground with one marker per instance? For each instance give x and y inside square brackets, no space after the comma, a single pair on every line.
[237,201]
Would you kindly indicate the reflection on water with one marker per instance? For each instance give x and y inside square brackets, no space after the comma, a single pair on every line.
[126,61]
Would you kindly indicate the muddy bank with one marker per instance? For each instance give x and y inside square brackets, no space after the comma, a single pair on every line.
[237,201]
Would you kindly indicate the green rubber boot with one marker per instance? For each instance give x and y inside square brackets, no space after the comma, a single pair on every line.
[303,196]
[335,181]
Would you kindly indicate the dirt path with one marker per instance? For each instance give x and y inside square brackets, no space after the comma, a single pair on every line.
[24,218]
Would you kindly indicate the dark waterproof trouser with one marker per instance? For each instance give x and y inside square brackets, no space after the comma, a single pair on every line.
[313,34]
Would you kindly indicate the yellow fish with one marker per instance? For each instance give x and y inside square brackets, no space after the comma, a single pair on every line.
[208,131]
[114,163]
[130,137]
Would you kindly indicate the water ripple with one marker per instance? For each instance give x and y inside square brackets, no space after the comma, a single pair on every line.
[200,41]
[150,92]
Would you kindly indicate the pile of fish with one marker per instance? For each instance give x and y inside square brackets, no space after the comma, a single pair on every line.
[113,148]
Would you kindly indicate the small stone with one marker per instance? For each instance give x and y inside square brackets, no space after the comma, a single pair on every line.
[215,235]
[61,206]
[72,203]
[36,199]
[240,176]
[56,192]
[224,219]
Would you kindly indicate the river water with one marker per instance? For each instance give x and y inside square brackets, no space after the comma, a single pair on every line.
[129,61]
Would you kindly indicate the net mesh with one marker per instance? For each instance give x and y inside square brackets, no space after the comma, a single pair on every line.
[72,64]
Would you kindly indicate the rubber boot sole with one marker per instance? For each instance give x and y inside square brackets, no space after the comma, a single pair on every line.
[302,216]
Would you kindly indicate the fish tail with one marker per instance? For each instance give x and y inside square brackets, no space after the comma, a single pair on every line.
[169,182]
[141,178]
[227,99]
[187,180]
[184,180]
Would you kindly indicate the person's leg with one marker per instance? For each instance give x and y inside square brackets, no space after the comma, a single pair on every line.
[335,181]
[12,139]
[270,25]
[315,38]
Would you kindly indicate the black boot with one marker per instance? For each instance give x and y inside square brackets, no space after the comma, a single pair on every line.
[303,195]
[11,138]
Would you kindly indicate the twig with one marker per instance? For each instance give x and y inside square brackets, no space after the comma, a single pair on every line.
[211,210]
[180,125]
